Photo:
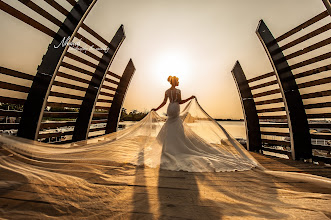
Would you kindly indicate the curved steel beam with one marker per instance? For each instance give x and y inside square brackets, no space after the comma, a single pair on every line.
[253,132]
[297,119]
[83,121]
[37,98]
[116,106]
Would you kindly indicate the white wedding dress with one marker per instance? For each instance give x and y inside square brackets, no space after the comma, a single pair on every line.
[115,175]
[183,149]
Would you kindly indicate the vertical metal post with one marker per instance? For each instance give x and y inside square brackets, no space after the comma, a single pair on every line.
[327,4]
[37,98]
[116,106]
[253,133]
[85,115]
[297,119]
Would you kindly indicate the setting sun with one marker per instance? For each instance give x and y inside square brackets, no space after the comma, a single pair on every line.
[172,64]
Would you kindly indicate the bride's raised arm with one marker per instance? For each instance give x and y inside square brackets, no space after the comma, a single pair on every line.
[186,100]
[162,104]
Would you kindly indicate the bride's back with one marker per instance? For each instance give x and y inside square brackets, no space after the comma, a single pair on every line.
[174,95]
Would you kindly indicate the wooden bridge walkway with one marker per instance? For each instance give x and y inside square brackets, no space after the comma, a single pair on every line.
[144,193]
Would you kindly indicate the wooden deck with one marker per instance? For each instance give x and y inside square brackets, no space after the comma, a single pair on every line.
[130,192]
[280,164]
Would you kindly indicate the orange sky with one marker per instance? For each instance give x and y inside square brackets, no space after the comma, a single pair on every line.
[197,40]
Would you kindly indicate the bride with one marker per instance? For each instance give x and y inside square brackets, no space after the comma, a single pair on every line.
[183,149]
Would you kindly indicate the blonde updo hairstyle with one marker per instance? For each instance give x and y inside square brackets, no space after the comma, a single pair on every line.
[173,80]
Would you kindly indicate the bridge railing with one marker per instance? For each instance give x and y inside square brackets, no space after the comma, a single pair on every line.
[73,76]
[297,95]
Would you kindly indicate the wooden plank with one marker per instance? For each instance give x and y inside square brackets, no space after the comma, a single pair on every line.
[80,59]
[78,69]
[69,86]
[318,105]
[314,82]
[274,125]
[269,101]
[8,126]
[10,113]
[86,52]
[311,21]
[62,105]
[106,94]
[321,136]
[111,81]
[309,49]
[87,41]
[99,121]
[309,61]
[316,94]
[55,134]
[272,117]
[102,107]
[114,75]
[94,34]
[319,115]
[105,100]
[270,92]
[60,114]
[109,87]
[15,73]
[14,87]
[319,125]
[276,142]
[75,78]
[26,19]
[266,75]
[271,110]
[72,2]
[273,82]
[313,71]
[5,99]
[49,125]
[282,134]
[322,147]
[41,12]
[307,36]
[276,151]
[57,6]
[65,95]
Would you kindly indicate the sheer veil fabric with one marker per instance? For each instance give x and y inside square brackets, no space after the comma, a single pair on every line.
[187,141]
[119,174]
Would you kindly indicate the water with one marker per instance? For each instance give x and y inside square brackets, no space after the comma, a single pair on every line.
[235,128]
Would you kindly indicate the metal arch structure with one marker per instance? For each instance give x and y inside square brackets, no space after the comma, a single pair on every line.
[253,133]
[115,108]
[37,98]
[86,110]
[301,146]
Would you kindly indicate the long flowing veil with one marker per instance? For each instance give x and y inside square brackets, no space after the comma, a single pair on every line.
[103,177]
[138,144]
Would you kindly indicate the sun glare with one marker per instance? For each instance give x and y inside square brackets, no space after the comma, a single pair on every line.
[172,65]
